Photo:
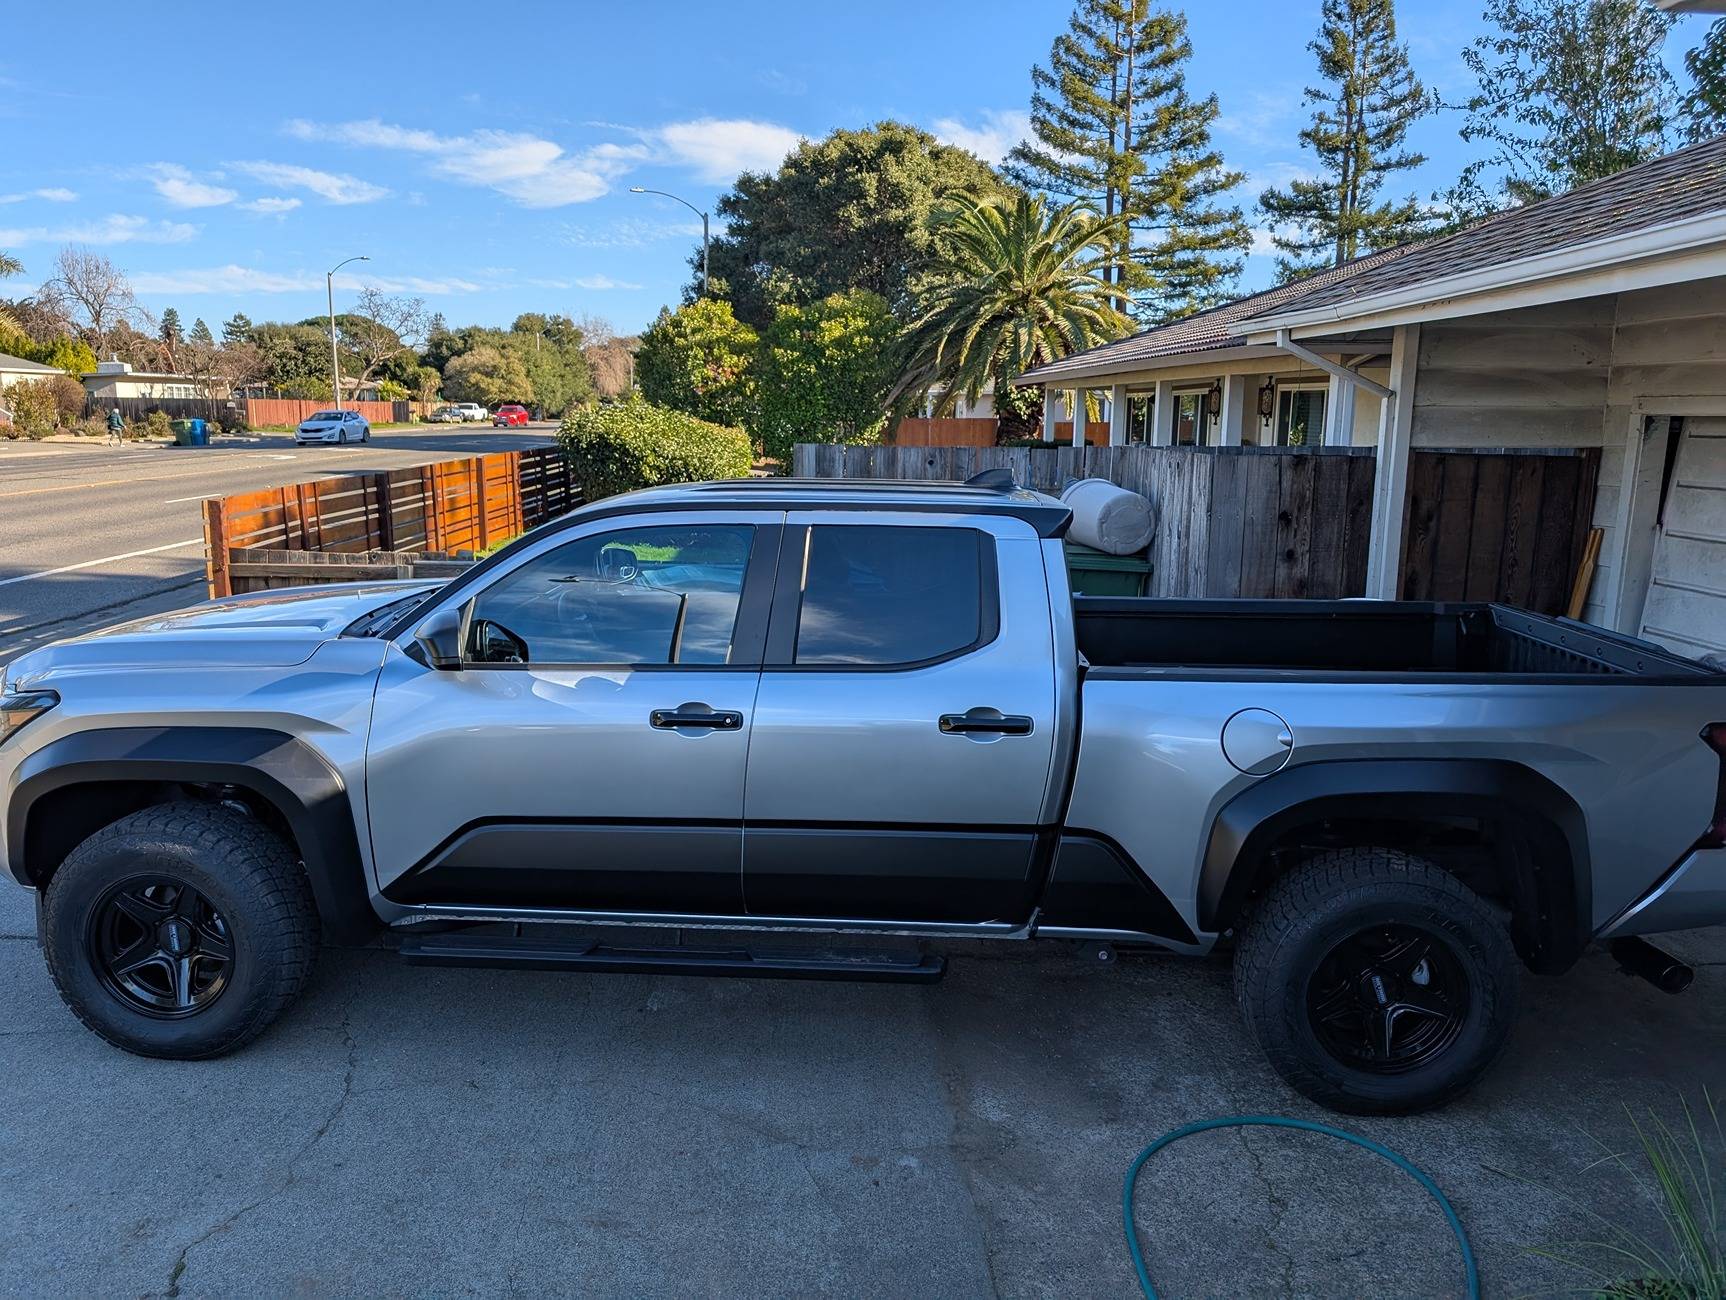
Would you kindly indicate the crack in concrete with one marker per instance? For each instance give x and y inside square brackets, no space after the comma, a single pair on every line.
[1279,1209]
[290,1173]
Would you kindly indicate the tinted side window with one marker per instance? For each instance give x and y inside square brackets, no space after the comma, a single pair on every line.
[637,596]
[883,596]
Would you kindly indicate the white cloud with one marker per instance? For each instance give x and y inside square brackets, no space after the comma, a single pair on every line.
[717,149]
[990,140]
[534,171]
[114,229]
[1262,245]
[180,188]
[336,187]
[270,207]
[53,194]
[630,234]
[247,279]
[1268,119]
[602,282]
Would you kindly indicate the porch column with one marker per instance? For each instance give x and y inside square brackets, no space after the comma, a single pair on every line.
[1119,405]
[1079,417]
[1231,420]
[1163,415]
[1390,483]
[1339,413]
[1050,411]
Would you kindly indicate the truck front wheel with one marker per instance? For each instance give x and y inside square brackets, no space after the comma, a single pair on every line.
[1376,983]
[180,931]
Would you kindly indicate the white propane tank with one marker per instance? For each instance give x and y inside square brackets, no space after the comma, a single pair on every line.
[1109,518]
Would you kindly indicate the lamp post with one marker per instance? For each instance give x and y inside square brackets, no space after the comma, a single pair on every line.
[335,357]
[636,189]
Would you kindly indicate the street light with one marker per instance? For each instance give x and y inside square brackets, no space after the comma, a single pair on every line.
[335,357]
[636,189]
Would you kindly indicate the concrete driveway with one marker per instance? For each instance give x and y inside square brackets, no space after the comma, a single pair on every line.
[407,1131]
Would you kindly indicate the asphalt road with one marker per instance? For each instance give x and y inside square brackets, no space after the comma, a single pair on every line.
[92,534]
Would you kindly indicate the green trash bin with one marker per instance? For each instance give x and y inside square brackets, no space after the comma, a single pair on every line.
[1097,573]
[182,432]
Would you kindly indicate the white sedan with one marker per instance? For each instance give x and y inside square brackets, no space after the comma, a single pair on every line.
[333,426]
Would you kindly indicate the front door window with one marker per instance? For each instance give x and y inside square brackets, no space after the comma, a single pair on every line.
[1300,417]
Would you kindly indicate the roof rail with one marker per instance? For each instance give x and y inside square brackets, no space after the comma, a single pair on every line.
[999,479]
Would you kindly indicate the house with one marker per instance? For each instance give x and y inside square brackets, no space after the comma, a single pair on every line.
[15,370]
[112,380]
[1592,320]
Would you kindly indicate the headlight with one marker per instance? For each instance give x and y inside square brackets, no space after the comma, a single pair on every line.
[16,710]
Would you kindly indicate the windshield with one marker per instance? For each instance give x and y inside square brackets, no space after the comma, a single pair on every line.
[324,415]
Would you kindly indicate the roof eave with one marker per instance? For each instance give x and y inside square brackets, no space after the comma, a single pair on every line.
[1139,365]
[1691,234]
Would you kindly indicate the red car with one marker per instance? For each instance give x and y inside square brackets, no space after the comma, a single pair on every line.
[510,415]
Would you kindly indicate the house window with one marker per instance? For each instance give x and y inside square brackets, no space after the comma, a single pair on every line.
[1139,419]
[1300,417]
[1192,425]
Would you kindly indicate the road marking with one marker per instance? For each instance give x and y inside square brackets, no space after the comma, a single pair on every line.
[106,559]
[208,496]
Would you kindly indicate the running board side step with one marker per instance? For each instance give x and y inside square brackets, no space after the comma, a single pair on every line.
[551,954]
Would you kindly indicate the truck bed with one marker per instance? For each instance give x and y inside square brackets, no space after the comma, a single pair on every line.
[1359,636]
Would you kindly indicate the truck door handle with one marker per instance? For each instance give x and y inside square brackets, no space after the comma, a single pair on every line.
[982,721]
[696,715]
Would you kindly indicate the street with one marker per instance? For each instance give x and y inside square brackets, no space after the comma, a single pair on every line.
[93,534]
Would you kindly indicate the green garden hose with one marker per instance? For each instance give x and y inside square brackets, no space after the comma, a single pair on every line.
[1277,1121]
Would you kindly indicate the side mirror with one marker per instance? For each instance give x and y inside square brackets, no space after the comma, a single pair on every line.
[439,638]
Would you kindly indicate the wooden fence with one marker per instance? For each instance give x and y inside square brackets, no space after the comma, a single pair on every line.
[444,508]
[1263,522]
[957,431]
[1503,525]
[292,410]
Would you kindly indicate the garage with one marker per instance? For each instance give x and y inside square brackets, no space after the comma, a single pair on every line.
[1686,605]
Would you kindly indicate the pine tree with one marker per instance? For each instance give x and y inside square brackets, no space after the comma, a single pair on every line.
[1114,127]
[171,332]
[237,329]
[1570,91]
[1704,106]
[201,334]
[1359,122]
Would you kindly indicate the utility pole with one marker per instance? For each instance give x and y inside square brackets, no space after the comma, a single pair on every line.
[705,283]
[335,357]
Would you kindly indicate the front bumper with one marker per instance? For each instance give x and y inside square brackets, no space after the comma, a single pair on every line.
[318,435]
[1692,894]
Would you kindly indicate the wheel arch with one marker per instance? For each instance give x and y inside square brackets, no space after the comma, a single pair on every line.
[73,786]
[1536,830]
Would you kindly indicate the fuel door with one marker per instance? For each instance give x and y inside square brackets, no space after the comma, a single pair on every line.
[1257,742]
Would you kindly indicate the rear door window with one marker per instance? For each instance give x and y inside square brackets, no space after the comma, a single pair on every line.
[893,597]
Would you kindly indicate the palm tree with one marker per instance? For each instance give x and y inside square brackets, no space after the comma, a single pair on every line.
[1022,283]
[8,266]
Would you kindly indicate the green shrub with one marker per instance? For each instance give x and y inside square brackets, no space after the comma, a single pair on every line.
[156,425]
[634,444]
[34,410]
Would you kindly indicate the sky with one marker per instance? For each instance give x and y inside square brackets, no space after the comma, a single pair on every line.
[227,155]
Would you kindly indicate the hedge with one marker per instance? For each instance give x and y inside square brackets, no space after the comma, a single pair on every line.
[635,444]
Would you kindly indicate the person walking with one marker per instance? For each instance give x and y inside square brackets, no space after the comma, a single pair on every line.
[116,427]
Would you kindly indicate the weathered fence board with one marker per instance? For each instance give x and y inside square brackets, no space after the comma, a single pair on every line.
[1507,525]
[446,507]
[1504,525]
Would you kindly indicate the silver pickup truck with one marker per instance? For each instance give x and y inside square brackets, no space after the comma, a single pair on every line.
[816,728]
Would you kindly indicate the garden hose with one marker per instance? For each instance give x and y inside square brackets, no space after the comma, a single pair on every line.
[1277,1121]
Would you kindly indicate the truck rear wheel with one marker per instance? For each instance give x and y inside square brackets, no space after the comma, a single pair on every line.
[1376,983]
[180,931]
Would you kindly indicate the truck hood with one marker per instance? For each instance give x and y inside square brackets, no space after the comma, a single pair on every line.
[271,629]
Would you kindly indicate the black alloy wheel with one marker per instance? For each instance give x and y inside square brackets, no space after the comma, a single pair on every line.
[160,947]
[1388,999]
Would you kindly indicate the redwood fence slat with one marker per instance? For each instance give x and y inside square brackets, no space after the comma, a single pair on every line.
[443,508]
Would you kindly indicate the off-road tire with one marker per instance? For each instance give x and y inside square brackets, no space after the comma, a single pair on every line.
[1337,894]
[243,869]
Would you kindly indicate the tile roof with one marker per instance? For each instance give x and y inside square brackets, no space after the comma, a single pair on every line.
[1688,182]
[1206,330]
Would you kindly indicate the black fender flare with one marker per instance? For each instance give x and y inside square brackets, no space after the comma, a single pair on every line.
[296,780]
[1555,896]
